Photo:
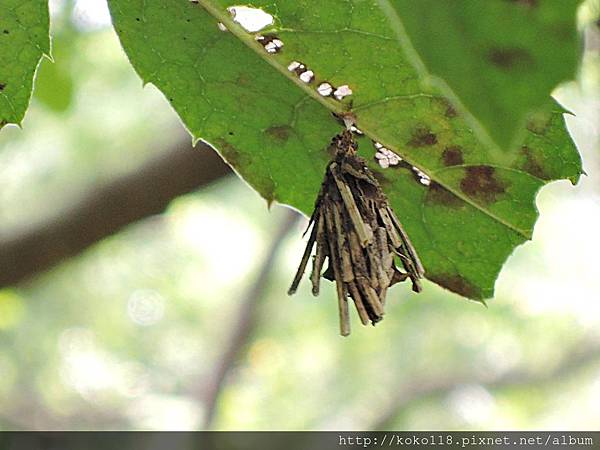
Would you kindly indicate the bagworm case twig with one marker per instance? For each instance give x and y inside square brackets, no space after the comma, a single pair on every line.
[354,228]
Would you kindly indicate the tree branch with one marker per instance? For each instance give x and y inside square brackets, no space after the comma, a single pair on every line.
[586,353]
[106,209]
[244,324]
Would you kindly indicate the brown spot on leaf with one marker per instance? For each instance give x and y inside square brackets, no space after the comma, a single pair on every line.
[453,156]
[563,31]
[537,126]
[267,189]
[243,164]
[231,154]
[448,108]
[381,178]
[451,111]
[243,80]
[532,164]
[528,3]
[280,132]
[438,195]
[510,58]
[457,283]
[480,183]
[422,137]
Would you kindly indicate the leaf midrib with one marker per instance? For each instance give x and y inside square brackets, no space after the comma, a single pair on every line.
[247,38]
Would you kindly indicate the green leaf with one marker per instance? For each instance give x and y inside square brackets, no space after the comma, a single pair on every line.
[274,129]
[501,58]
[24,39]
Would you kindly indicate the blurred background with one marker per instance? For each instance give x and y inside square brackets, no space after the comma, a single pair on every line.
[142,286]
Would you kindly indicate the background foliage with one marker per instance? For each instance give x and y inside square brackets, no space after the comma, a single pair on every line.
[131,333]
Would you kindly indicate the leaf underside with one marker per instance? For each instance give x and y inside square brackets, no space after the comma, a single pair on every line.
[24,39]
[274,130]
[512,53]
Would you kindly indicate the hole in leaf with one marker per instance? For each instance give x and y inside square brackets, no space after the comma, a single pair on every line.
[342,91]
[356,130]
[307,76]
[221,27]
[272,44]
[422,176]
[295,66]
[325,89]
[251,19]
[386,158]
